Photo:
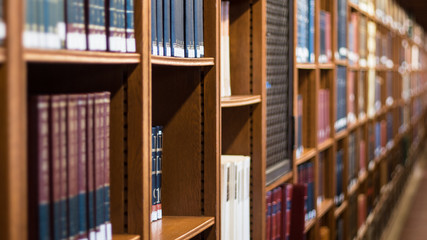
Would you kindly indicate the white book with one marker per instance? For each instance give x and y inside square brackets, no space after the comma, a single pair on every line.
[226,197]
[246,198]
[238,198]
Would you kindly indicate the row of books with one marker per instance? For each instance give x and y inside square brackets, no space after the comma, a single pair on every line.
[177,28]
[305,31]
[324,128]
[285,212]
[156,172]
[306,177]
[235,197]
[96,25]
[341,101]
[339,171]
[69,166]
[225,49]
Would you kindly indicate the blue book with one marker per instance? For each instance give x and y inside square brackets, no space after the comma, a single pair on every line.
[154,47]
[311,30]
[377,139]
[153,174]
[159,16]
[342,28]
[167,27]
[177,28]
[130,27]
[189,29]
[198,28]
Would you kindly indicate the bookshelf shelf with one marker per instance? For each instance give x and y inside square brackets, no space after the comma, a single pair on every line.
[171,227]
[306,155]
[324,207]
[183,62]
[238,101]
[352,190]
[284,179]
[362,177]
[80,57]
[341,62]
[308,66]
[341,134]
[125,237]
[338,211]
[326,66]
[309,225]
[325,144]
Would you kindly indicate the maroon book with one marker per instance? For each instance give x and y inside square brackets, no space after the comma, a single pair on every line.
[383,126]
[278,196]
[82,163]
[38,169]
[106,116]
[90,166]
[268,210]
[62,102]
[361,216]
[297,223]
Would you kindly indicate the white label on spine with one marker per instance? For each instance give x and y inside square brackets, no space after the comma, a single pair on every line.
[130,45]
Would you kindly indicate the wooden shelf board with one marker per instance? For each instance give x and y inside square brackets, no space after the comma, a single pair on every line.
[340,209]
[87,57]
[353,125]
[171,227]
[285,178]
[184,62]
[306,66]
[125,237]
[363,176]
[341,134]
[326,66]
[306,155]
[354,67]
[324,207]
[341,62]
[309,225]
[352,190]
[240,100]
[325,144]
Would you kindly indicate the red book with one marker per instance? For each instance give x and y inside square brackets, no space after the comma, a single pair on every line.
[351,96]
[297,224]
[268,210]
[106,116]
[361,216]
[328,36]
[273,216]
[327,114]
[62,101]
[39,169]
[278,197]
[283,212]
[289,189]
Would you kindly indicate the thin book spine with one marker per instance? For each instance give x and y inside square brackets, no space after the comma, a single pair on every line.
[159,154]
[130,27]
[62,99]
[153,174]
[167,28]
[154,47]
[159,16]
[177,28]
[90,124]
[106,116]
[189,28]
[198,29]
[82,163]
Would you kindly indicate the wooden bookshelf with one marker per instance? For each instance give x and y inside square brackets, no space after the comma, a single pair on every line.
[180,227]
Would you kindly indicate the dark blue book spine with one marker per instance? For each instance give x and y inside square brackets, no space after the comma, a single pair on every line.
[177,28]
[167,27]
[153,173]
[154,47]
[189,29]
[130,27]
[198,28]
[159,16]
[311,30]
[112,9]
[159,153]
[322,55]
[40,23]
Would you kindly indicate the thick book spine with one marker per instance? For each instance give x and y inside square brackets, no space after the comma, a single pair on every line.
[39,169]
[130,27]
[198,28]
[90,167]
[159,156]
[297,212]
[322,54]
[159,16]
[50,24]
[113,25]
[30,35]
[311,24]
[154,47]
[55,167]
[189,29]
[167,28]
[153,174]
[342,29]
[76,33]
[106,116]
[177,28]
[62,99]
[72,167]
[82,163]
[97,34]
[99,165]
[40,19]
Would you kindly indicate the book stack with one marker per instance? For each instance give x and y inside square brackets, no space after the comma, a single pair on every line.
[305,31]
[235,199]
[325,37]
[225,49]
[278,208]
[306,177]
[177,28]
[95,25]
[324,129]
[341,103]
[69,166]
[156,172]
[339,168]
[342,30]
[352,163]
[299,146]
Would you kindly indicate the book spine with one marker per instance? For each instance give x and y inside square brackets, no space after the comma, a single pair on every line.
[40,19]
[311,31]
[99,166]
[39,170]
[153,174]
[55,167]
[106,116]
[60,23]
[159,16]
[76,36]
[52,36]
[177,28]
[154,47]
[113,25]
[30,37]
[198,28]
[90,167]
[342,31]
[189,29]
[122,29]
[268,217]
[130,27]
[63,172]
[159,156]
[289,189]
[167,27]
[82,162]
